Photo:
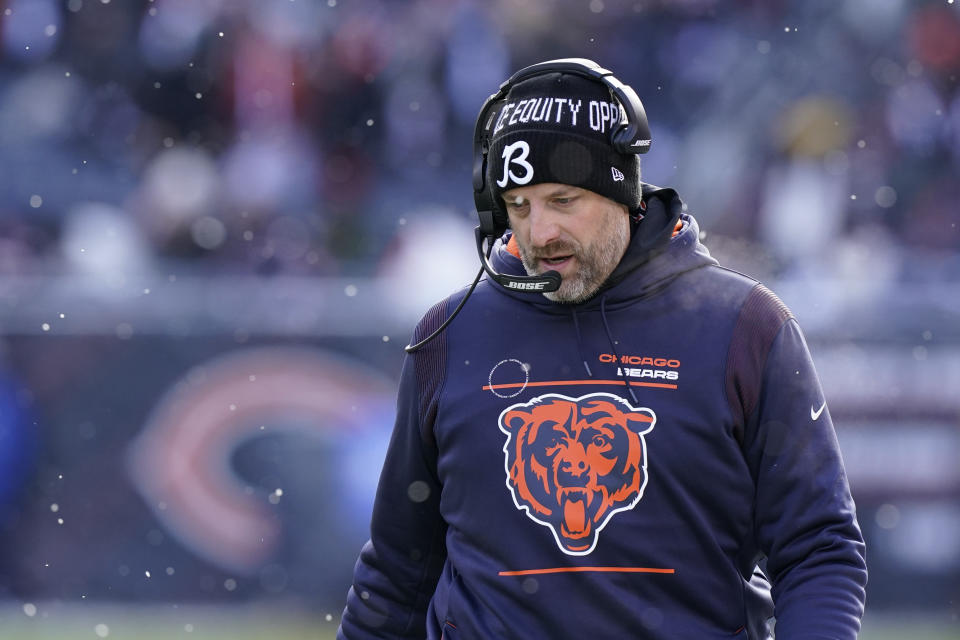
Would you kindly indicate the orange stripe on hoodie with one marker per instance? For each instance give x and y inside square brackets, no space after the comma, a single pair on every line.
[513,247]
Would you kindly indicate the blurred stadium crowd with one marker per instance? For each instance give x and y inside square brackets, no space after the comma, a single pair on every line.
[291,136]
[254,150]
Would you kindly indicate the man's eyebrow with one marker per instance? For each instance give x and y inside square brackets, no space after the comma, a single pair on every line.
[560,192]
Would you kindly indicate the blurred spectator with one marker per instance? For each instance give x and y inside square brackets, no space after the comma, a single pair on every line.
[211,123]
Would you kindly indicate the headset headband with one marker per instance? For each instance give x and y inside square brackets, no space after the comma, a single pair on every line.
[632,136]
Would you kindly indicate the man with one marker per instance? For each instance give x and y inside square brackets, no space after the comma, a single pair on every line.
[643,452]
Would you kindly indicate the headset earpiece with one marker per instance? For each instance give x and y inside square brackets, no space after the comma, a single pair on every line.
[492,221]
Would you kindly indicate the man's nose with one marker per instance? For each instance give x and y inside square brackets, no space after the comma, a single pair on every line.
[543,226]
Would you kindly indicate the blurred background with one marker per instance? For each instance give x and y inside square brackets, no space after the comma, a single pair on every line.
[214,221]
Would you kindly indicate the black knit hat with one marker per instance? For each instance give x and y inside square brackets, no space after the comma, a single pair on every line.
[556,127]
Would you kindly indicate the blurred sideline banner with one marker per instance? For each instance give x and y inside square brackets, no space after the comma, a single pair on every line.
[197,469]
[214,441]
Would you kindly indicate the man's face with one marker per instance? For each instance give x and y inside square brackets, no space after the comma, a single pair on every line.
[578,233]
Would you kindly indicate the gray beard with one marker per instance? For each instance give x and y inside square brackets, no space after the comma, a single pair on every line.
[594,263]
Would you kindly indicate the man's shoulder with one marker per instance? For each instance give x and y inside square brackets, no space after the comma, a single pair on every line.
[718,286]
[438,313]
[757,307]
[725,277]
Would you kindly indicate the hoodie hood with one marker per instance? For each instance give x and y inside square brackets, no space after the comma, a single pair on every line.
[653,246]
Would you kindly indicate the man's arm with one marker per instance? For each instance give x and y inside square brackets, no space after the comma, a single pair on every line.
[805,520]
[398,569]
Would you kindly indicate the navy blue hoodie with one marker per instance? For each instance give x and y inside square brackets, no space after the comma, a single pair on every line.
[656,462]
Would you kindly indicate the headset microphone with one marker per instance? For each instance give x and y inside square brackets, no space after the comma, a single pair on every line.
[543,283]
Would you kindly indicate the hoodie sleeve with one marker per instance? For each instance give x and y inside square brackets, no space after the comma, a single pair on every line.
[804,516]
[398,568]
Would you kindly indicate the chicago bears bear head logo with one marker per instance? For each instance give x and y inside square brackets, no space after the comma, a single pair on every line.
[572,463]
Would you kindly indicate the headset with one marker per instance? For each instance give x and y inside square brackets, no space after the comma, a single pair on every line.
[631,136]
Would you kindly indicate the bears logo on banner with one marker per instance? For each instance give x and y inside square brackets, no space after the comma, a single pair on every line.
[181,461]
